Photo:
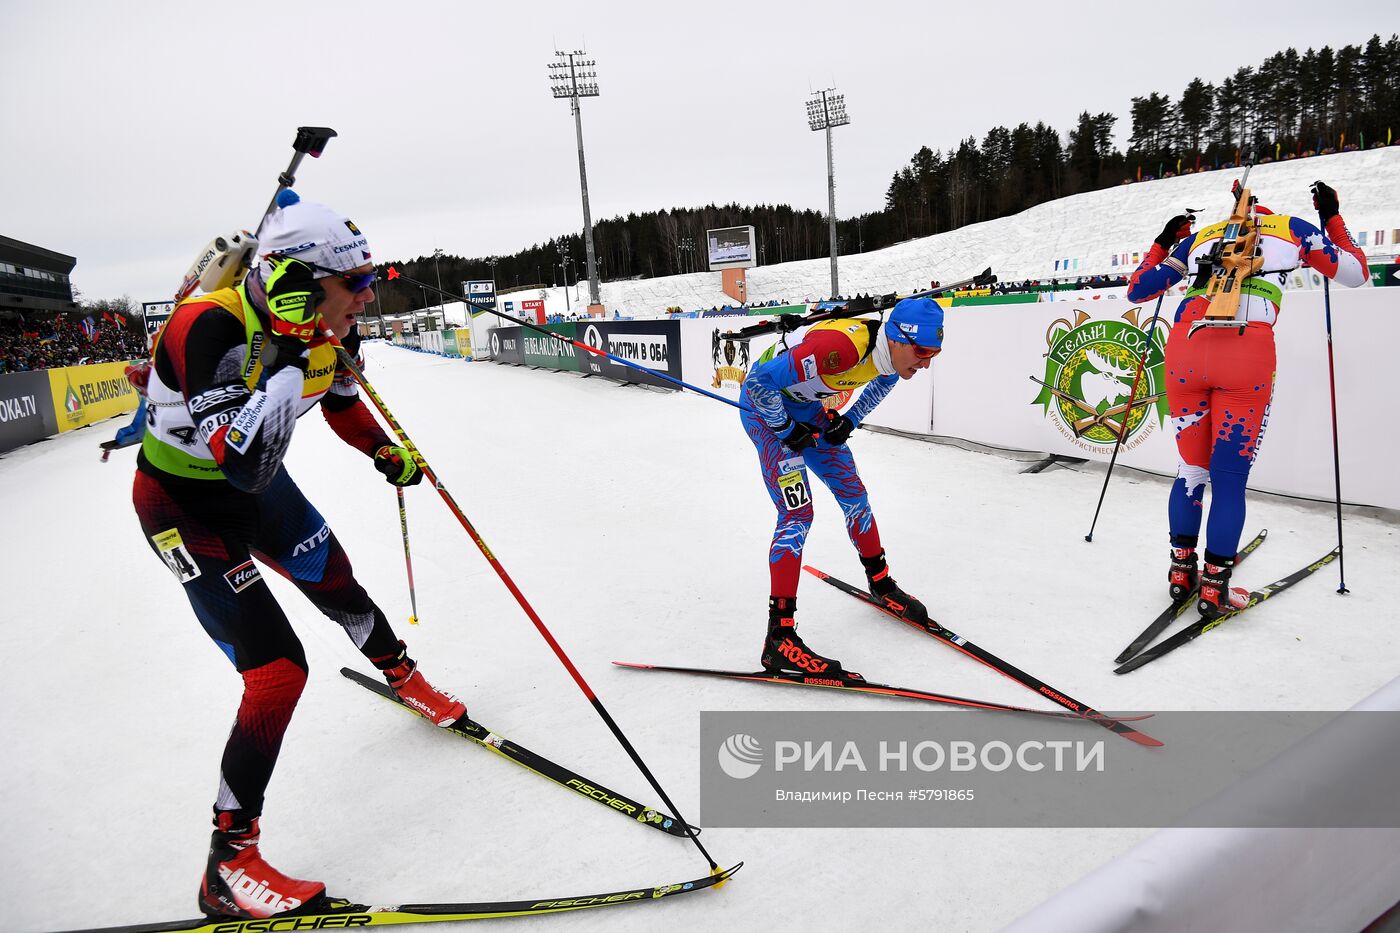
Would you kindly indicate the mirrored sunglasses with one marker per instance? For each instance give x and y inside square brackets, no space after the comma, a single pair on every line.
[925,353]
[355,281]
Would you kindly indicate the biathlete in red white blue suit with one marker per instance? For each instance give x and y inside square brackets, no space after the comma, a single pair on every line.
[1220,381]
[231,373]
[794,433]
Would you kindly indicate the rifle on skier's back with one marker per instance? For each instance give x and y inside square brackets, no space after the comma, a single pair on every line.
[853,307]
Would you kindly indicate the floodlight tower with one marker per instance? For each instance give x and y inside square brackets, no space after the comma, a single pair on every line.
[826,110]
[438,254]
[572,76]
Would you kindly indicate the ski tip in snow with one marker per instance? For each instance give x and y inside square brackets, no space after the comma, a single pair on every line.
[1128,732]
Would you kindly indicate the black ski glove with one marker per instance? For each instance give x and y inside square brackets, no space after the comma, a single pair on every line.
[398,466]
[798,435]
[1325,200]
[280,351]
[838,431]
[1176,228]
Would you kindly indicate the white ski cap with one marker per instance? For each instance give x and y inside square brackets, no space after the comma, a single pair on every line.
[314,233]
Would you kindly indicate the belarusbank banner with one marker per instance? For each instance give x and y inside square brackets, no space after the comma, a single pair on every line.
[84,394]
[549,352]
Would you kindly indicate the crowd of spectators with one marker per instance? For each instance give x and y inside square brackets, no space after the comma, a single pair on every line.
[999,288]
[1037,285]
[49,341]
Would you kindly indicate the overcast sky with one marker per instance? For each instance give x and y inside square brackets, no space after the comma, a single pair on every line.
[135,131]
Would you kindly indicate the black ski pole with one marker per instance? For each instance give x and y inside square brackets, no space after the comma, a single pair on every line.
[394,273]
[1127,416]
[1336,455]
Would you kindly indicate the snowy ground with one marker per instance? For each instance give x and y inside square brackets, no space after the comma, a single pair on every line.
[636,524]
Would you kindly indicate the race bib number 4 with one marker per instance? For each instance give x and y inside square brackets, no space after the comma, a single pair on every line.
[795,491]
[171,548]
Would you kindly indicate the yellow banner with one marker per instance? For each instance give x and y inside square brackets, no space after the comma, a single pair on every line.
[87,394]
[464,343]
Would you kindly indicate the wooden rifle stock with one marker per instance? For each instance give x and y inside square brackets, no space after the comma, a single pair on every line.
[1235,258]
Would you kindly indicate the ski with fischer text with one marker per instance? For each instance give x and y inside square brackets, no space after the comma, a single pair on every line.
[476,732]
[1203,625]
[343,915]
[1160,623]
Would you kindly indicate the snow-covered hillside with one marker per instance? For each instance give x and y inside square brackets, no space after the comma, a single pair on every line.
[1089,229]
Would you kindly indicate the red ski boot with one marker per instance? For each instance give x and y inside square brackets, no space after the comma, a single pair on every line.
[238,883]
[401,671]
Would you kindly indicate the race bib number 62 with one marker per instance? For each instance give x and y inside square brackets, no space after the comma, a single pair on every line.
[794,489]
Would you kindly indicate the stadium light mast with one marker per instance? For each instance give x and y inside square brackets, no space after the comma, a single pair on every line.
[438,254]
[827,110]
[572,76]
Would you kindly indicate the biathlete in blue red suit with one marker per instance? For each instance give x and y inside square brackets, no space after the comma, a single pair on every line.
[231,372]
[794,434]
[1220,381]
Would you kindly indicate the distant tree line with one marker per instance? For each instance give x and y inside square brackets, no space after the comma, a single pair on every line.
[1291,105]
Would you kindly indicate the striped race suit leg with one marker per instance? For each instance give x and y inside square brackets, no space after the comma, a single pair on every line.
[206,533]
[785,474]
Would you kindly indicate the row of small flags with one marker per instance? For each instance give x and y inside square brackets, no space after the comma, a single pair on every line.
[1066,265]
[1278,153]
[90,325]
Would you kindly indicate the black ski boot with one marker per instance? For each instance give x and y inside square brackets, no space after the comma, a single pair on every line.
[1184,575]
[784,650]
[1217,596]
[883,588]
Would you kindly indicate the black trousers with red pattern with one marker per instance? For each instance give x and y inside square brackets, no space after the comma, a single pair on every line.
[207,534]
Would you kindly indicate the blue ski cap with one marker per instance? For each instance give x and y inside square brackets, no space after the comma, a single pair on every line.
[918,321]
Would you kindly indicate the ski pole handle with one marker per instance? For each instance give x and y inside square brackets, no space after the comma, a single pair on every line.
[310,141]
